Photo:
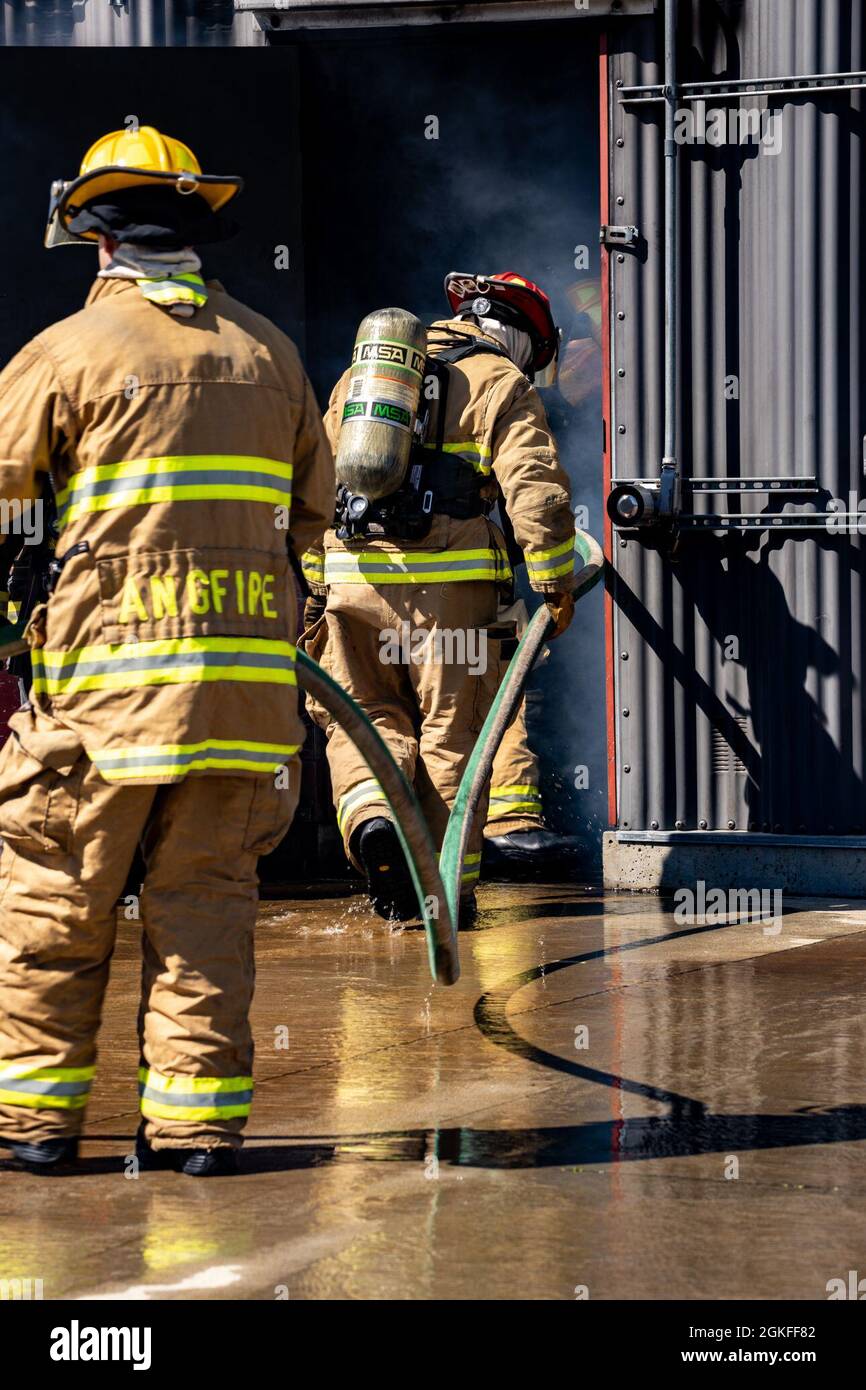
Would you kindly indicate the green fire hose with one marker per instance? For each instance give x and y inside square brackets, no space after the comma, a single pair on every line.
[502,711]
[418,847]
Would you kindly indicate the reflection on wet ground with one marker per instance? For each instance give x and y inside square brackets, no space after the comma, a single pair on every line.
[609,1100]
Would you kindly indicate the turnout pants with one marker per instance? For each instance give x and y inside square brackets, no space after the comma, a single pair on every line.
[515,784]
[69,838]
[418,661]
[515,794]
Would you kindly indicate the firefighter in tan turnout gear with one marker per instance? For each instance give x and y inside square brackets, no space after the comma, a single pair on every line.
[518,841]
[413,578]
[176,426]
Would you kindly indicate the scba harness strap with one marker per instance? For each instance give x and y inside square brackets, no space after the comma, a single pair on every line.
[438,482]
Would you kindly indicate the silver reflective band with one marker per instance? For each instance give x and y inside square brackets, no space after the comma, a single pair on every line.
[165,661]
[34,1087]
[196,1099]
[364,793]
[244,751]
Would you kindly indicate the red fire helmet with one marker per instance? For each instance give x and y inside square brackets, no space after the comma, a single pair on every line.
[517,300]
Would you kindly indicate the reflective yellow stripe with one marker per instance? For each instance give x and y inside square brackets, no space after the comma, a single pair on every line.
[550,564]
[43,1101]
[186,492]
[191,463]
[162,292]
[45,1088]
[471,868]
[478,455]
[313,566]
[175,478]
[513,800]
[173,289]
[193,1097]
[565,547]
[23,1071]
[176,759]
[361,795]
[209,1085]
[414,567]
[179,661]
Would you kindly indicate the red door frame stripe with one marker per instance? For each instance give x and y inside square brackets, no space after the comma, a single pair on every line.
[606,407]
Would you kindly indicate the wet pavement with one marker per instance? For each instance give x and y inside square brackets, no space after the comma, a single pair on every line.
[611,1103]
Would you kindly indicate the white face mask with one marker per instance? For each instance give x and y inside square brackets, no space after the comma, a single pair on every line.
[517,344]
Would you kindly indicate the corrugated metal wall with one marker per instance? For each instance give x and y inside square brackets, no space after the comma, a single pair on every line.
[130,23]
[739,666]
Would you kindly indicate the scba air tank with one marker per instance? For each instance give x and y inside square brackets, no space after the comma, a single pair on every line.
[381,406]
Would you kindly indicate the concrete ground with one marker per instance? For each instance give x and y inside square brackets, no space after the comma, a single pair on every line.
[611,1103]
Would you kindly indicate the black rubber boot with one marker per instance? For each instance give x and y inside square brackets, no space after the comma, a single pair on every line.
[537,853]
[389,884]
[467,914]
[195,1163]
[212,1163]
[47,1156]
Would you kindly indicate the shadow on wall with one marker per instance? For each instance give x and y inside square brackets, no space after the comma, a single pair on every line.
[783,794]
[767,706]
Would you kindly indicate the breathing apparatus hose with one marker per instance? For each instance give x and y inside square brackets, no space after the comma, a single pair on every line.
[440,923]
[508,697]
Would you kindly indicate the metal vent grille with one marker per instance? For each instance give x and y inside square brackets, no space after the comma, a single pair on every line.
[724,760]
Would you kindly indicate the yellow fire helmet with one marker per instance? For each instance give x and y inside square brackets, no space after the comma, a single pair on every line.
[132,159]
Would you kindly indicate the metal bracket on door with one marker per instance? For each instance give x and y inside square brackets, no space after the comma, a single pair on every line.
[805,84]
[633,504]
[618,235]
